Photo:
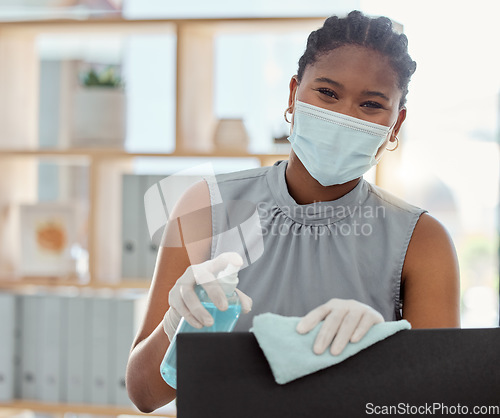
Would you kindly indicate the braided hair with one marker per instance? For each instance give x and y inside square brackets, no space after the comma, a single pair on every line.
[358,29]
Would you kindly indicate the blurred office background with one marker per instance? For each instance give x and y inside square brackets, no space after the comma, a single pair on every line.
[448,160]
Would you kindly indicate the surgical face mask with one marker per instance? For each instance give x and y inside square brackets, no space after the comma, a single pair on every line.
[333,147]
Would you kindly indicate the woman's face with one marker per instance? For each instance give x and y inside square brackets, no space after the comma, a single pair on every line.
[355,81]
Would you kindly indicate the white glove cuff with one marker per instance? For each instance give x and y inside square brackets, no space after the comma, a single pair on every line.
[171,322]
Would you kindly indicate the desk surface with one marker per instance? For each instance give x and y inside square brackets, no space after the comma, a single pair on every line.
[227,375]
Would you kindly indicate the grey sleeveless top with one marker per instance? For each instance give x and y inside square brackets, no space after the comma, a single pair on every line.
[304,255]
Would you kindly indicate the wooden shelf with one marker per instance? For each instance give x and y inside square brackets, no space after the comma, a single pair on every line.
[118,153]
[11,283]
[59,408]
[114,154]
[119,21]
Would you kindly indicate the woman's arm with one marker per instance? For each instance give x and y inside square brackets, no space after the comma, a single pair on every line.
[431,278]
[190,224]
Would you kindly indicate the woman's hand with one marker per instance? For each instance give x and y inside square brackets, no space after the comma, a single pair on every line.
[185,303]
[344,321]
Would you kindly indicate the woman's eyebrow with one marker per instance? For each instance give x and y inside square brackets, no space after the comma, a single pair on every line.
[329,81]
[375,93]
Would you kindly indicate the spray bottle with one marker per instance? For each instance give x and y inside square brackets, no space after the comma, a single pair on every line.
[224,321]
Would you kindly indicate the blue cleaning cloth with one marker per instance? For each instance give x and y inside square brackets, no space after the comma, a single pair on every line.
[291,355]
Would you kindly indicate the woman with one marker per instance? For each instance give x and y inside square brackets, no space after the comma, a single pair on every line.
[336,248]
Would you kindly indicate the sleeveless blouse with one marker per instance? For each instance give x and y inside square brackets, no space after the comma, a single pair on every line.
[298,257]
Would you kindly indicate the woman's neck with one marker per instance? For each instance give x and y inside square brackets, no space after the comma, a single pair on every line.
[305,189]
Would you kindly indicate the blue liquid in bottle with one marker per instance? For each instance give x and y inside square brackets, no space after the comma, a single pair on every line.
[224,321]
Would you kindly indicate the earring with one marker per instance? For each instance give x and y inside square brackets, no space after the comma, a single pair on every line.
[397,145]
[287,110]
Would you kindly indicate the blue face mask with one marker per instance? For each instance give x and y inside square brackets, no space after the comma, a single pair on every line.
[335,148]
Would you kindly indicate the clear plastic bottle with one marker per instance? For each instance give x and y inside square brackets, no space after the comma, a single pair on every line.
[224,321]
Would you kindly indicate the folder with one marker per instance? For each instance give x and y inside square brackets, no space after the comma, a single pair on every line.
[30,347]
[132,200]
[50,344]
[127,315]
[18,346]
[99,347]
[151,200]
[8,303]
[76,346]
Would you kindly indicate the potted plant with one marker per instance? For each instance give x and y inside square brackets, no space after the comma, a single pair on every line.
[99,109]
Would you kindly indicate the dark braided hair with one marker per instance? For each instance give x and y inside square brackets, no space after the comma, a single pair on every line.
[358,29]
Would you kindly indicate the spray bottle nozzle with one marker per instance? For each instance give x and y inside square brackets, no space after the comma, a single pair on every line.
[228,278]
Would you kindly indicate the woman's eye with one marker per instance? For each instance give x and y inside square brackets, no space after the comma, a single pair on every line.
[373,105]
[328,92]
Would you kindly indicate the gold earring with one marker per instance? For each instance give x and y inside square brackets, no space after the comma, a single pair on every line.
[397,144]
[287,110]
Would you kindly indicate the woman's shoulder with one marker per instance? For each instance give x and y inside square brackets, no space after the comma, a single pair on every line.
[428,231]
[431,277]
[248,174]
[385,198]
[202,193]
[250,185]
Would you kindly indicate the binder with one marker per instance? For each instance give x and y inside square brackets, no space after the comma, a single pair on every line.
[150,200]
[8,303]
[63,344]
[50,376]
[18,314]
[131,202]
[30,346]
[99,347]
[127,315]
[75,344]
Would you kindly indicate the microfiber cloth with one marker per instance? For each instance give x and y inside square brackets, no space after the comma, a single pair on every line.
[291,355]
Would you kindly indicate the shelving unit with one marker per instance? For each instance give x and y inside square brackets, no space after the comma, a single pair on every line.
[19,78]
[103,164]
[61,409]
[20,152]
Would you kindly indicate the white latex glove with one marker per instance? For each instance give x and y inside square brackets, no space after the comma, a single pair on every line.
[185,303]
[344,321]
